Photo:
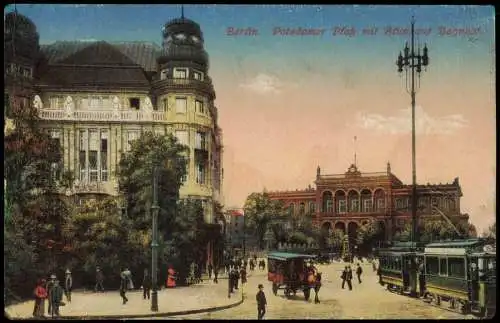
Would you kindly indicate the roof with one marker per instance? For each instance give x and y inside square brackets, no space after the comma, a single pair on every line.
[94,75]
[143,54]
[288,255]
[455,244]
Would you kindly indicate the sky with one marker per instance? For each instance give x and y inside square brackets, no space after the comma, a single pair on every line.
[288,103]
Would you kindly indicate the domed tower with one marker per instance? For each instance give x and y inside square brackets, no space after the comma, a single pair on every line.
[184,91]
[21,50]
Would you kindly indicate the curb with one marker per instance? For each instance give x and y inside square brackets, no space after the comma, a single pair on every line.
[132,316]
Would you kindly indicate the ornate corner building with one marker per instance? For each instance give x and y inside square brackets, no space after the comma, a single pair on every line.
[96,97]
[347,201]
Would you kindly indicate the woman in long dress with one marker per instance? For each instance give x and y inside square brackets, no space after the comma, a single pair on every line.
[171,277]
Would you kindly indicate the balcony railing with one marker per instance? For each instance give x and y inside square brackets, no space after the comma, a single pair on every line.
[334,176]
[107,115]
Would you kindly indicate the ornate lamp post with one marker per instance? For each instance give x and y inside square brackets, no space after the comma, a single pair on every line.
[154,245]
[412,61]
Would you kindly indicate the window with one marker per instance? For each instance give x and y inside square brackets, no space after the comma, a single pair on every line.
[312,207]
[422,203]
[342,206]
[82,160]
[451,205]
[329,205]
[380,204]
[163,74]
[443,267]
[104,156]
[182,137]
[302,208]
[367,205]
[184,177]
[355,205]
[432,265]
[201,141]
[94,103]
[180,73]
[434,202]
[180,105]
[456,267]
[198,76]
[93,148]
[200,173]
[180,36]
[165,104]
[131,136]
[54,102]
[199,106]
[135,103]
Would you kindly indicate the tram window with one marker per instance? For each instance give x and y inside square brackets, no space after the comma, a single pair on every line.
[432,265]
[456,267]
[271,265]
[443,268]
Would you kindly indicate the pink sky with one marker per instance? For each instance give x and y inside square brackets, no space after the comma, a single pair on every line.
[277,131]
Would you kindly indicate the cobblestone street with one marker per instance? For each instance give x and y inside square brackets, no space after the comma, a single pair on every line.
[367,300]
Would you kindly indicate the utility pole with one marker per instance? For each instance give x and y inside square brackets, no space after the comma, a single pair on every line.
[412,62]
[154,245]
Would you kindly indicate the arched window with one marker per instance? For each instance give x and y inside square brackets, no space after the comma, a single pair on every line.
[163,74]
[302,208]
[312,207]
[327,202]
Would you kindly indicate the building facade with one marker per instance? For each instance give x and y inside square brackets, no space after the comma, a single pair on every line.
[347,201]
[95,98]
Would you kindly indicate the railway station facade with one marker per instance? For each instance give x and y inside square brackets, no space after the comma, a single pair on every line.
[352,199]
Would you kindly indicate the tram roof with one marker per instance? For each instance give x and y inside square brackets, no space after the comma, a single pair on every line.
[471,243]
[288,255]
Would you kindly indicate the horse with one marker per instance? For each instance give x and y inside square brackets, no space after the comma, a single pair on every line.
[314,281]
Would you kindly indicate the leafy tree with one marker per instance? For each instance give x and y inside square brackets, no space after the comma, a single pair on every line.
[491,232]
[260,210]
[33,229]
[367,235]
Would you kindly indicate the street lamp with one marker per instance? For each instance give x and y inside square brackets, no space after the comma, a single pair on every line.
[154,245]
[411,60]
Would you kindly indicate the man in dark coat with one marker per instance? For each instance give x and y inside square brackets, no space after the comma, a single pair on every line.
[349,277]
[210,268]
[421,278]
[146,284]
[48,288]
[243,274]
[344,277]
[261,302]
[230,284]
[99,278]
[236,278]
[56,296]
[216,274]
[123,287]
[359,271]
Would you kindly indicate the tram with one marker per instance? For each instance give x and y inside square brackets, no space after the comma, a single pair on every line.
[460,272]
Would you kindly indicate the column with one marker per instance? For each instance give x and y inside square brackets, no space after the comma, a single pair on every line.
[87,164]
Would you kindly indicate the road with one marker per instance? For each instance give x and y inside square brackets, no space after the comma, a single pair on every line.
[367,300]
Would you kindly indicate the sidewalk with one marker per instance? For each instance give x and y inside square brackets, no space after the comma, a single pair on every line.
[203,297]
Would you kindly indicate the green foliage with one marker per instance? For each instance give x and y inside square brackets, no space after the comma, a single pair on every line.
[260,210]
[491,232]
[34,235]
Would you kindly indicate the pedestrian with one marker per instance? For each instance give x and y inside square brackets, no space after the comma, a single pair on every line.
[227,266]
[210,268]
[216,274]
[68,285]
[349,277]
[261,302]
[56,296]
[171,277]
[344,277]
[123,287]
[146,284]
[48,288]
[40,296]
[374,266]
[198,273]
[230,284]
[99,278]
[236,278]
[359,271]
[243,274]
[421,279]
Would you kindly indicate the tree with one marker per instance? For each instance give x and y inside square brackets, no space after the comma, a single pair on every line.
[33,228]
[260,210]
[367,235]
[491,232]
